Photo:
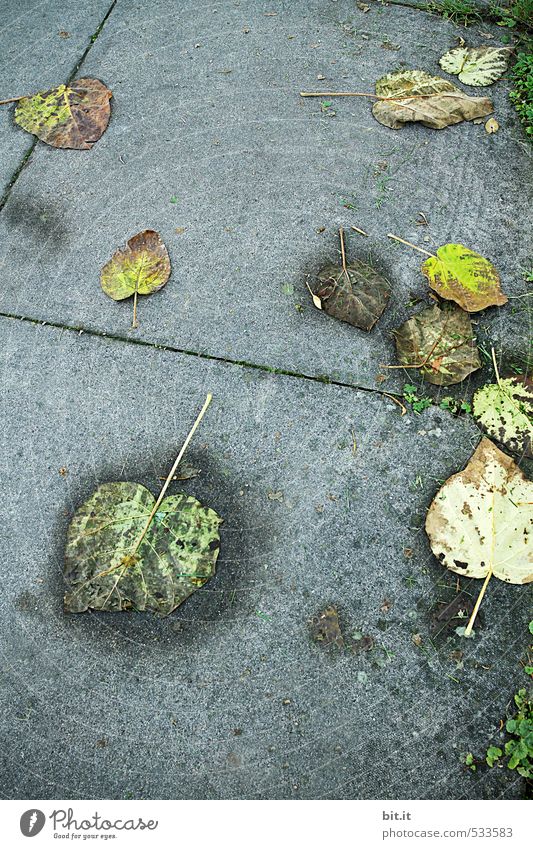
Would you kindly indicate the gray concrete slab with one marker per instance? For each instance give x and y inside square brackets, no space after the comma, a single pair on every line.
[41,43]
[229,697]
[209,133]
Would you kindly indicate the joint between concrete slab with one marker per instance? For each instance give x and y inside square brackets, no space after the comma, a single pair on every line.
[27,156]
[98,334]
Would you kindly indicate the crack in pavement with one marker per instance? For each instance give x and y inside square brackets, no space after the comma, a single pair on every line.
[99,334]
[27,156]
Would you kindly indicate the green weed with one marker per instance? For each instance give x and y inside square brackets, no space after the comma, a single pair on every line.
[418,404]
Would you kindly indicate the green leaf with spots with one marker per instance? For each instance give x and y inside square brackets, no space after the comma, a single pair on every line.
[476,66]
[70,116]
[439,341]
[140,268]
[110,565]
[464,276]
[357,294]
[505,410]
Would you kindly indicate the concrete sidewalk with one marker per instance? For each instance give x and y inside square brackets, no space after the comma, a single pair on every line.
[229,697]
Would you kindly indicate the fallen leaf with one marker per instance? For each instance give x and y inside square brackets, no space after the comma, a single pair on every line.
[73,116]
[492,126]
[357,295]
[480,519]
[364,7]
[480,522]
[363,643]
[476,66]
[104,569]
[439,341]
[464,276]
[419,96]
[417,639]
[128,551]
[325,628]
[141,268]
[505,410]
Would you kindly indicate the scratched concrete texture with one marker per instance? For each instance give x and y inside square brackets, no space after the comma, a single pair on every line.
[322,483]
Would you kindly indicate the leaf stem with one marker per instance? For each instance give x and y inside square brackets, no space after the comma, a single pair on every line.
[343,250]
[134,320]
[410,244]
[12,99]
[376,96]
[496,372]
[338,94]
[173,470]
[468,629]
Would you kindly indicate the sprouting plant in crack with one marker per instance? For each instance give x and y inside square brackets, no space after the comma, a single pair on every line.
[417,402]
[517,751]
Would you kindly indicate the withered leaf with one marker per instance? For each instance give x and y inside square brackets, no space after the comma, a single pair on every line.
[440,342]
[481,521]
[128,550]
[357,295]
[70,116]
[477,66]
[141,268]
[106,569]
[432,101]
[459,274]
[325,628]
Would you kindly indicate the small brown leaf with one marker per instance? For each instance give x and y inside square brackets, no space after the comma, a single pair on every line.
[73,116]
[357,295]
[325,628]
[492,126]
[440,342]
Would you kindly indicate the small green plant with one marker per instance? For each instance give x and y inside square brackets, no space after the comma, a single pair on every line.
[462,12]
[455,406]
[518,750]
[410,393]
[467,758]
[522,93]
[494,754]
[349,203]
[519,13]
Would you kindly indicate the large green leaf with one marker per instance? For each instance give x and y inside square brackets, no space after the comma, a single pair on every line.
[476,66]
[464,276]
[440,342]
[419,96]
[357,294]
[505,409]
[106,568]
[73,116]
